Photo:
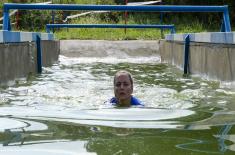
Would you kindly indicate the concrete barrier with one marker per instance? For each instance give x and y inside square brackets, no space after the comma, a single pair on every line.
[50,52]
[104,48]
[206,37]
[211,54]
[18,60]
[212,60]
[18,54]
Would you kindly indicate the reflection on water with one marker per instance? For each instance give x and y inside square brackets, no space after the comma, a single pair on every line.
[62,111]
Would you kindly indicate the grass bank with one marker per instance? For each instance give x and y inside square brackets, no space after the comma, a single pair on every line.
[121,34]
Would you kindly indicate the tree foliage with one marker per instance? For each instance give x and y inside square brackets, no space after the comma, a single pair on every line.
[208,16]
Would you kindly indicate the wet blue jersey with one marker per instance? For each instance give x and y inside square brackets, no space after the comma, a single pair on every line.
[134,101]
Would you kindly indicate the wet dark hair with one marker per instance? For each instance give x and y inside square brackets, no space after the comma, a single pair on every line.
[123,72]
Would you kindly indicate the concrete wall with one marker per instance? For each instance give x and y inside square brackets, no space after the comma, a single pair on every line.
[103,48]
[206,37]
[214,60]
[18,60]
[50,52]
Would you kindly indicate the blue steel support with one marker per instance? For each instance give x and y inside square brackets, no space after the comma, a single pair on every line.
[226,20]
[49,26]
[53,17]
[6,20]
[48,29]
[186,54]
[39,54]
[9,25]
[161,19]
[173,30]
[164,8]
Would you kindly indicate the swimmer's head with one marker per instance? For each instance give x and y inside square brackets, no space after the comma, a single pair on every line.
[123,72]
[123,86]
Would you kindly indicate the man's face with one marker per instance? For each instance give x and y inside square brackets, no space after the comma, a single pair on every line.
[122,87]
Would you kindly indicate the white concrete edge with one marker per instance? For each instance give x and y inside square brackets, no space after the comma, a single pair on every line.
[44,36]
[26,36]
[16,36]
[208,37]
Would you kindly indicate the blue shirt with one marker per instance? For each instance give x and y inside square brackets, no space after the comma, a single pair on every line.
[134,101]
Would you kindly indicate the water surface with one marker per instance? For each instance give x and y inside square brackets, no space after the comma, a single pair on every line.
[63,111]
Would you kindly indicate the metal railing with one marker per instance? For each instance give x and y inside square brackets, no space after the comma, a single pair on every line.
[157,8]
[50,26]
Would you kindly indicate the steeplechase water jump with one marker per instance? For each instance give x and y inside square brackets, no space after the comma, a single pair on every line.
[174,93]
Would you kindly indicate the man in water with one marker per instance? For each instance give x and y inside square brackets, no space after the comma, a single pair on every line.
[123,89]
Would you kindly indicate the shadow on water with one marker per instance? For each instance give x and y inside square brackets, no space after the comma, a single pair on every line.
[62,112]
[109,140]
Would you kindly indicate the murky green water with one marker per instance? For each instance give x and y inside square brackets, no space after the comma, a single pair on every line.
[62,112]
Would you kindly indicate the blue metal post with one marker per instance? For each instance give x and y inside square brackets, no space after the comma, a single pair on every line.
[9,24]
[173,30]
[161,20]
[48,29]
[226,19]
[39,54]
[53,17]
[6,19]
[186,54]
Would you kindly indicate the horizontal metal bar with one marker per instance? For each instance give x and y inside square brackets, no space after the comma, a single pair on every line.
[163,8]
[49,26]
[107,26]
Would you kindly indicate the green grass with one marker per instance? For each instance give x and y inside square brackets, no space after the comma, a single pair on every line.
[182,26]
[119,34]
[108,34]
